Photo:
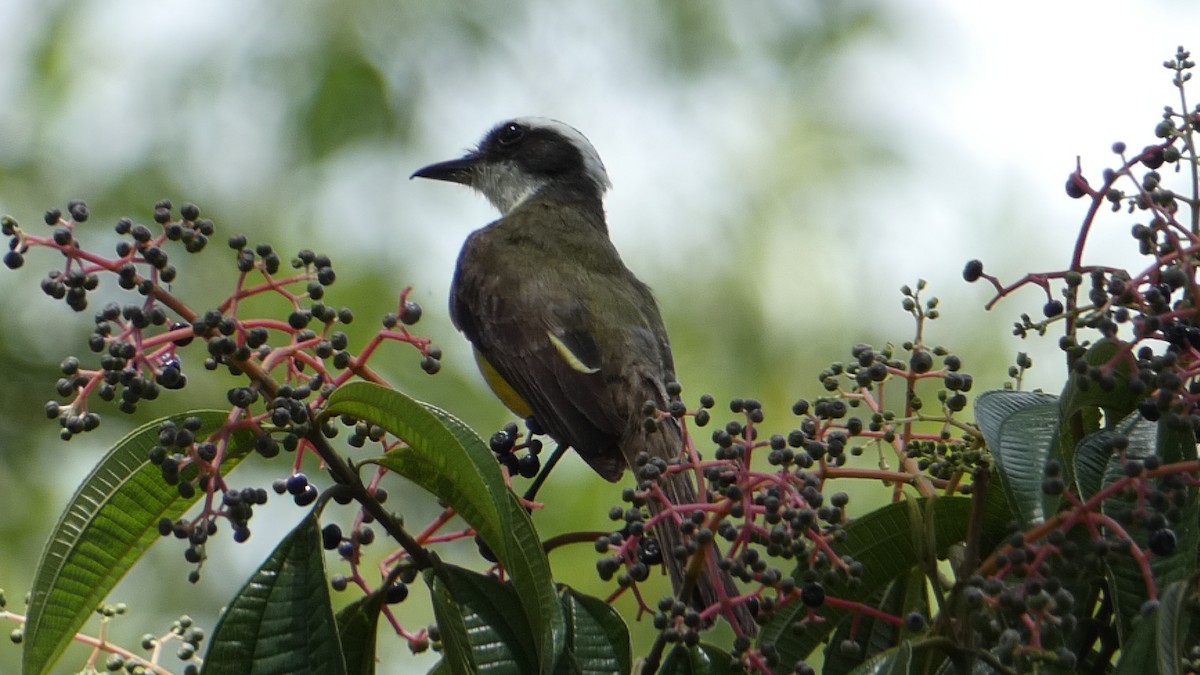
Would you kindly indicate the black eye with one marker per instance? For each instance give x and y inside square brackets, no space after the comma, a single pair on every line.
[511,133]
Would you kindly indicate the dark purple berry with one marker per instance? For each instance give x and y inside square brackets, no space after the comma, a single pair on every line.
[397,592]
[1077,186]
[502,442]
[297,483]
[307,497]
[1163,542]
[528,466]
[331,536]
[973,271]
[812,595]
[410,313]
[914,621]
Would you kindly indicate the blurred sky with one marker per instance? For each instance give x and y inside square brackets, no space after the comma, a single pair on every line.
[972,114]
[819,154]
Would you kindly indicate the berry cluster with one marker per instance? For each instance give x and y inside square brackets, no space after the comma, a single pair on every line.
[118,659]
[1131,341]
[767,498]
[188,463]
[508,451]
[290,364]
[349,547]
[140,343]
[131,366]
[1150,315]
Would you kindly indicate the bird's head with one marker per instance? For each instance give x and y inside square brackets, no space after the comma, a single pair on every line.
[523,156]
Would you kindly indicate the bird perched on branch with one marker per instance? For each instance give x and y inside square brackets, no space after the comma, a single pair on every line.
[563,331]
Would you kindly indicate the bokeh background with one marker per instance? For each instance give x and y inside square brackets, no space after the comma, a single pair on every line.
[780,168]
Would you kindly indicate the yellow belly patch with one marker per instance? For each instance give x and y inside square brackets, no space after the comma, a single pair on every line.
[507,395]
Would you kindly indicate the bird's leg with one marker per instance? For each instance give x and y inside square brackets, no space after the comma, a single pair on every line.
[559,451]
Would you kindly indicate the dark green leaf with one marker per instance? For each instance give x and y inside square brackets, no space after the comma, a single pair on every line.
[458,657]
[907,593]
[993,407]
[879,635]
[1021,429]
[449,460]
[1124,573]
[1116,402]
[597,636]
[892,662]
[702,659]
[1091,461]
[980,667]
[281,622]
[1083,399]
[479,619]
[1163,639]
[357,625]
[883,541]
[1173,620]
[110,522]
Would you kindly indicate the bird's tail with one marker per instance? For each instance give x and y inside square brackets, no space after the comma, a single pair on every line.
[649,454]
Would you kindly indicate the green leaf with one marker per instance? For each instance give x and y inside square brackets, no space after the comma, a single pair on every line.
[357,625]
[993,407]
[1116,402]
[448,459]
[282,619]
[907,593]
[110,522]
[1091,461]
[1162,639]
[597,636]
[1021,429]
[457,655]
[883,541]
[1083,399]
[1176,443]
[703,659]
[892,662]
[880,636]
[1139,651]
[1125,576]
[475,616]
[981,667]
[1173,626]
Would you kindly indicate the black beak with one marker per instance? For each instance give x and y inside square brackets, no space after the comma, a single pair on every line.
[461,170]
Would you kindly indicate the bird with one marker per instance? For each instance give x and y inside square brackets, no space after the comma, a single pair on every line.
[563,332]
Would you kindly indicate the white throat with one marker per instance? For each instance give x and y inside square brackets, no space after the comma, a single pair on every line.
[506,186]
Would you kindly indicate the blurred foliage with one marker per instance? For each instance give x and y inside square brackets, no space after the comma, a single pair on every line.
[298,124]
